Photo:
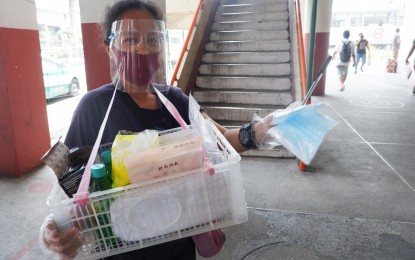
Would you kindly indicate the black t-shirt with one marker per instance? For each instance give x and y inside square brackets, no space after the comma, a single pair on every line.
[361,46]
[127,115]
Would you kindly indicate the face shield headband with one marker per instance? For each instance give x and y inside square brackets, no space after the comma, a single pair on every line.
[137,54]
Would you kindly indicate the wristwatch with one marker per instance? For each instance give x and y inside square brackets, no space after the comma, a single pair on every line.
[246,136]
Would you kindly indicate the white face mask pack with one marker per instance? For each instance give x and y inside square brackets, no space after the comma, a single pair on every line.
[301,129]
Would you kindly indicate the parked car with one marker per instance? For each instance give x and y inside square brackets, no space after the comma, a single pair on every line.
[60,79]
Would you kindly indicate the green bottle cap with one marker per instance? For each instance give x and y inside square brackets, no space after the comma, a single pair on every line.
[98,170]
[106,157]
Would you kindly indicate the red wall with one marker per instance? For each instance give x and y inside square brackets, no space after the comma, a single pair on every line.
[96,58]
[24,132]
[321,47]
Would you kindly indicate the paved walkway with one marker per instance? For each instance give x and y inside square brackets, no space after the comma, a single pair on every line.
[356,201]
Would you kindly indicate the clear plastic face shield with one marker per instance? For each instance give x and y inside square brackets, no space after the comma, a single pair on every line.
[137,53]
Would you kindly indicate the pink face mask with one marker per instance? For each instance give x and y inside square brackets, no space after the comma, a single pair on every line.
[137,68]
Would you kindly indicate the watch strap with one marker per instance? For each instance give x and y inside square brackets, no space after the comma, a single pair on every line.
[246,136]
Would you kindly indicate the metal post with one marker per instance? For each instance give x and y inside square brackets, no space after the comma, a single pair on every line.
[311,42]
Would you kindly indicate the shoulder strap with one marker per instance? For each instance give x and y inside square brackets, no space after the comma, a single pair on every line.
[82,193]
[81,196]
[172,109]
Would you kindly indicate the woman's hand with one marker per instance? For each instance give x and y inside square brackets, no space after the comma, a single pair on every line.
[263,137]
[260,131]
[65,244]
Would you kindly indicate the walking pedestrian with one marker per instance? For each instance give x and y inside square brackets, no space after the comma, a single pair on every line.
[361,47]
[396,44]
[345,49]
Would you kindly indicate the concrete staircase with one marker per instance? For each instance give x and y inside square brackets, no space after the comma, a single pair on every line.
[247,65]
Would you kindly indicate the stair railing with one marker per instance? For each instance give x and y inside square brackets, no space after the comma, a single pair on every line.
[188,69]
[303,70]
[193,26]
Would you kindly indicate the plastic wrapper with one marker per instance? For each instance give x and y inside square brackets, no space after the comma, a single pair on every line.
[166,160]
[200,127]
[125,145]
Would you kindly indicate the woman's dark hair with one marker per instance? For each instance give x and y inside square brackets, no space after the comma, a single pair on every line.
[115,11]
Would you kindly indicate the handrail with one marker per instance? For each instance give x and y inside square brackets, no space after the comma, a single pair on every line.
[184,49]
[303,70]
[311,43]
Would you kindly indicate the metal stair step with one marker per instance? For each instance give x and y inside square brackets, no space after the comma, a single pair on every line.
[244,97]
[244,83]
[248,25]
[235,2]
[249,35]
[258,16]
[246,57]
[237,112]
[246,69]
[253,8]
[277,45]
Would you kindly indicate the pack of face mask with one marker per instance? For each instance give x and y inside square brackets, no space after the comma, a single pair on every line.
[301,129]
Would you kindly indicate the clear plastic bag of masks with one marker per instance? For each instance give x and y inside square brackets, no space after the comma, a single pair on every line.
[300,129]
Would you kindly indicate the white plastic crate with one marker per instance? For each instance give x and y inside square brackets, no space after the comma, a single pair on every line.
[157,211]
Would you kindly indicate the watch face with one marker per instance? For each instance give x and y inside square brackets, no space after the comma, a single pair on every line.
[245,136]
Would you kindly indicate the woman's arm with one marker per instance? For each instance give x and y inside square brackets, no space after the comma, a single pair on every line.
[232,135]
[253,135]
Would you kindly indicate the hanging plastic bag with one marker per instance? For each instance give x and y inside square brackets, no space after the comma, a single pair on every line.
[201,128]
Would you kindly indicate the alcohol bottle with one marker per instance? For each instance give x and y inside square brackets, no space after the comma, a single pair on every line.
[99,178]
[102,206]
[106,160]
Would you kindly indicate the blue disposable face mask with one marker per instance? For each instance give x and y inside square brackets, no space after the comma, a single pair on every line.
[301,130]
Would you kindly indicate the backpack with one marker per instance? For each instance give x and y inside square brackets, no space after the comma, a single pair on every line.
[345,53]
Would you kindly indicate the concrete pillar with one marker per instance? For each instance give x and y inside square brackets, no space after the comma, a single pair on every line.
[407,35]
[96,59]
[322,37]
[24,132]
